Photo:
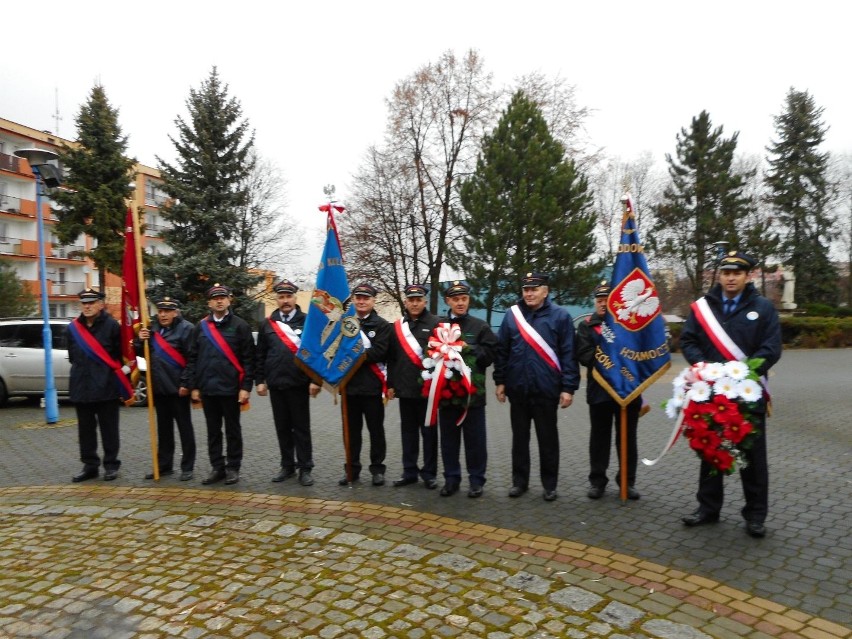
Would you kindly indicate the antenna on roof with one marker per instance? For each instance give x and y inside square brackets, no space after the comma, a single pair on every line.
[56,116]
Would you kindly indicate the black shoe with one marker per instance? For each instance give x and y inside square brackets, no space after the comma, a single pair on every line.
[595,492]
[185,475]
[284,473]
[344,481]
[632,493]
[404,481]
[449,489]
[213,477]
[231,476]
[431,484]
[305,478]
[110,475]
[85,474]
[550,495]
[474,492]
[517,491]
[162,474]
[755,529]
[378,479]
[699,518]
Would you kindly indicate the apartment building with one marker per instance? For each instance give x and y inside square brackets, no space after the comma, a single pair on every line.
[68,271]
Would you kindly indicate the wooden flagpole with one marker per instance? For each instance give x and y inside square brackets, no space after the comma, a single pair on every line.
[145,321]
[344,411]
[623,457]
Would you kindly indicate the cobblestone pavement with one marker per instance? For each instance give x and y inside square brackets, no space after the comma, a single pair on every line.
[137,559]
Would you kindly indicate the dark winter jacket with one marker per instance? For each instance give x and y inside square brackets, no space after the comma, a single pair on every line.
[586,341]
[521,369]
[276,363]
[753,326]
[477,334]
[403,375]
[209,370]
[167,378]
[91,380]
[364,381]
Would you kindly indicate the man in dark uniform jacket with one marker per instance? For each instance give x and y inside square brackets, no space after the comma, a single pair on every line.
[535,369]
[366,388]
[92,386]
[481,339]
[289,388]
[604,411]
[405,382]
[751,322]
[221,374]
[170,338]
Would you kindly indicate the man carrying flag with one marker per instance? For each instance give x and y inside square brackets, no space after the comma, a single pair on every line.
[633,350]
[336,342]
[170,338]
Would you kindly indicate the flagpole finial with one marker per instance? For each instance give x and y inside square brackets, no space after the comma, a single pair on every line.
[328,190]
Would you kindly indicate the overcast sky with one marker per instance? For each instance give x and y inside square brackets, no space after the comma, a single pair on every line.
[312,77]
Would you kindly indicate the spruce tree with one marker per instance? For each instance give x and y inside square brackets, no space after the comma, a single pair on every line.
[703,203]
[800,194]
[526,207]
[208,189]
[98,179]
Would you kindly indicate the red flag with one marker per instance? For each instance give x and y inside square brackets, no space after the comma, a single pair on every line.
[129,299]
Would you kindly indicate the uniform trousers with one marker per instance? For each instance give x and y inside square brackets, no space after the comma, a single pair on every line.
[542,412]
[219,409]
[92,416]
[472,430]
[174,409]
[754,478]
[292,415]
[412,415]
[603,416]
[369,409]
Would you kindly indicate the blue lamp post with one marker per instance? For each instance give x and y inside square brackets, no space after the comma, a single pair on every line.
[38,158]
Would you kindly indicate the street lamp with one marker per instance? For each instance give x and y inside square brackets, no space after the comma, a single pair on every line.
[38,160]
[720,248]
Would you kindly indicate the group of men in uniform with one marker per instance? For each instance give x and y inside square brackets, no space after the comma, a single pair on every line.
[535,356]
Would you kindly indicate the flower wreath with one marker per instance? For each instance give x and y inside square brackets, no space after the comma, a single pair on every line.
[448,373]
[715,403]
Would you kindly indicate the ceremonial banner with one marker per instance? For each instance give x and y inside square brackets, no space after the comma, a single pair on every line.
[129,300]
[331,339]
[634,350]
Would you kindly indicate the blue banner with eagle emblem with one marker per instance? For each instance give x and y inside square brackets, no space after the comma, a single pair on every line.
[633,351]
[331,347]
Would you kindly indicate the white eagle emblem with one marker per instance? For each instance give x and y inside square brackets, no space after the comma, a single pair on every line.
[637,299]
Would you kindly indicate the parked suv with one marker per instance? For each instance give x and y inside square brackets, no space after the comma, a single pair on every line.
[22,359]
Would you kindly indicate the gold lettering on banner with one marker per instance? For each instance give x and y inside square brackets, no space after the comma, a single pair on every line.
[631,248]
[643,356]
[344,364]
[334,261]
[627,374]
[603,358]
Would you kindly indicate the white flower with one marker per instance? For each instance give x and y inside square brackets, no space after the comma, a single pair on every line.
[727,386]
[749,390]
[448,373]
[671,409]
[428,363]
[736,370]
[712,371]
[679,381]
[700,392]
[679,398]
[425,374]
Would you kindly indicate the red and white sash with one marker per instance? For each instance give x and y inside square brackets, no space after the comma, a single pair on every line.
[535,340]
[717,334]
[286,335]
[409,343]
